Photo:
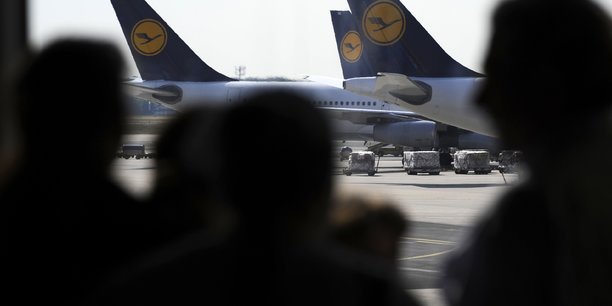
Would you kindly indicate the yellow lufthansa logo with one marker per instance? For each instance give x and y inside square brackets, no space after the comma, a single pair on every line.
[351,47]
[384,22]
[149,37]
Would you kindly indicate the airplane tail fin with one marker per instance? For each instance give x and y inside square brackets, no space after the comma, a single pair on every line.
[159,53]
[394,41]
[350,46]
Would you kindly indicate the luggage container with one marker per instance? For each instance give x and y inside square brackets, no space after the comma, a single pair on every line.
[422,162]
[361,162]
[469,160]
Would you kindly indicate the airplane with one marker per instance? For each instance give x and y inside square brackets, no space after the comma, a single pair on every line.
[355,64]
[173,75]
[413,71]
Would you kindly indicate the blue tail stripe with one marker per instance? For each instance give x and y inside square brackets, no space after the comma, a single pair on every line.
[170,60]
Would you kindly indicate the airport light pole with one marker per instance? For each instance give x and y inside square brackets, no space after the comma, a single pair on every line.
[240,71]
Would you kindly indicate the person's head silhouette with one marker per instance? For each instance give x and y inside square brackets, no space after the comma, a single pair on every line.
[186,184]
[548,61]
[549,74]
[71,103]
[277,128]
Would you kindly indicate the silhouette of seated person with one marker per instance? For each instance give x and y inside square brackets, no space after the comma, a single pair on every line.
[67,222]
[185,190]
[276,166]
[548,240]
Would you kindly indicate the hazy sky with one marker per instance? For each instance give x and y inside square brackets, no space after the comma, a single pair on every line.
[270,37]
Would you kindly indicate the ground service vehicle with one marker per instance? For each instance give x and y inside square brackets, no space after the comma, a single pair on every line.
[509,161]
[361,162]
[345,152]
[422,162]
[133,150]
[471,160]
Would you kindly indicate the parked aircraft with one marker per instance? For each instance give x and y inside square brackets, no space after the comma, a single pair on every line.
[356,64]
[413,71]
[173,75]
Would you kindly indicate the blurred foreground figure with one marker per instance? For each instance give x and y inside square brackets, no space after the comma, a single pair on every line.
[186,189]
[369,224]
[278,253]
[67,223]
[549,240]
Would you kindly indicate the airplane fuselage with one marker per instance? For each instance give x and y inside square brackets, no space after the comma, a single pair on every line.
[192,94]
[195,93]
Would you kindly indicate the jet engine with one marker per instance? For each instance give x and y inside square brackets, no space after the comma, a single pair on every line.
[478,141]
[417,134]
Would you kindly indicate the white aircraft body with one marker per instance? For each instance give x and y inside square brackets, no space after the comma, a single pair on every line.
[404,65]
[451,99]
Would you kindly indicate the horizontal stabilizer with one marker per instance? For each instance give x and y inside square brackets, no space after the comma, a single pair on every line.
[166,94]
[396,88]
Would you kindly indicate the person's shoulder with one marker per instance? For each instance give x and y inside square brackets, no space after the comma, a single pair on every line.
[526,196]
[190,266]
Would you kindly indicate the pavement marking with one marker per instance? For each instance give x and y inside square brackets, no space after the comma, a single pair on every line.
[427,255]
[429,241]
[418,270]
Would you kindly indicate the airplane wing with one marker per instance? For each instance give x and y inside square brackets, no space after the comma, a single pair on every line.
[370,116]
[392,87]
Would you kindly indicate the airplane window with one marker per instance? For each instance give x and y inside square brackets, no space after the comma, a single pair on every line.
[374,103]
[341,103]
[353,103]
[368,103]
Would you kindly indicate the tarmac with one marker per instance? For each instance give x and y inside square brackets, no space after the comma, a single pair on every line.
[442,208]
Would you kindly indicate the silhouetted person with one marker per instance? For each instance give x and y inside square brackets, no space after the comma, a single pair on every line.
[549,240]
[276,163]
[369,224]
[185,191]
[67,222]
